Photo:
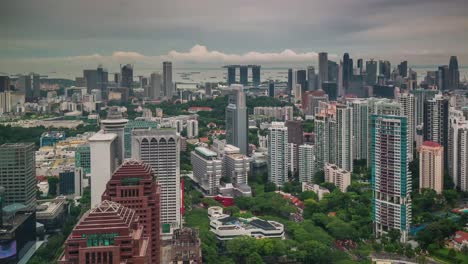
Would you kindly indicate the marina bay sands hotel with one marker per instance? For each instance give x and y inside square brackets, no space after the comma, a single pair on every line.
[243,70]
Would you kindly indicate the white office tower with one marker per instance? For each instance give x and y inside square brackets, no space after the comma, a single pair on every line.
[407,103]
[237,119]
[391,177]
[344,138]
[339,177]
[236,167]
[178,125]
[278,153]
[154,91]
[160,149]
[360,132]
[192,128]
[115,124]
[306,163]
[207,169]
[104,161]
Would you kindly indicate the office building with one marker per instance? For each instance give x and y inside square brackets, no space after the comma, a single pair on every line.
[344,137]
[207,169]
[278,153]
[83,158]
[67,181]
[237,119]
[360,128]
[134,186]
[407,102]
[168,86]
[4,84]
[115,124]
[126,76]
[271,88]
[18,174]
[104,161]
[135,125]
[231,79]
[301,79]
[436,122]
[107,233]
[236,168]
[333,71]
[30,85]
[442,78]
[96,80]
[385,69]
[154,92]
[453,74]
[50,138]
[339,177]
[192,128]
[311,79]
[160,149]
[403,69]
[371,72]
[323,68]
[306,163]
[391,177]
[347,70]
[431,166]
[331,89]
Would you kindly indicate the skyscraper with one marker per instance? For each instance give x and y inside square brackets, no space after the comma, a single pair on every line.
[403,68]
[443,78]
[344,137]
[133,185]
[323,68]
[301,78]
[311,79]
[155,86]
[436,122]
[306,163]
[407,102]
[391,178]
[454,73]
[360,65]
[421,95]
[295,139]
[347,70]
[160,149]
[333,71]
[256,75]
[107,233]
[115,123]
[271,88]
[237,120]
[371,72]
[96,79]
[325,140]
[231,78]
[18,174]
[460,162]
[244,75]
[278,153]
[431,166]
[385,69]
[168,86]
[360,132]
[4,83]
[30,85]
[126,73]
[291,81]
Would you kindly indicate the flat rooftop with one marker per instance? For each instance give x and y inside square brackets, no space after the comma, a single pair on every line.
[100,136]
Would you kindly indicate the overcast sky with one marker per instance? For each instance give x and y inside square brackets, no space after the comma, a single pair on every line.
[52,35]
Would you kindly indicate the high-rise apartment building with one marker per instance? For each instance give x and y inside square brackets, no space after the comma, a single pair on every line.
[325,140]
[278,153]
[160,149]
[207,169]
[344,137]
[306,163]
[436,122]
[18,174]
[108,233]
[431,166]
[323,68]
[407,102]
[339,177]
[134,186]
[421,95]
[168,86]
[391,177]
[237,119]
[360,131]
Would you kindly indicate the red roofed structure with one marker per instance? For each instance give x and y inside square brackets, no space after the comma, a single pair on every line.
[431,144]
[460,240]
[133,185]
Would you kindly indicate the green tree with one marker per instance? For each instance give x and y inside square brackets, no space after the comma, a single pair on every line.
[270,187]
[254,258]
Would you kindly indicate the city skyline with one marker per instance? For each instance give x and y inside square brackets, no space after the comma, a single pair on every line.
[204,33]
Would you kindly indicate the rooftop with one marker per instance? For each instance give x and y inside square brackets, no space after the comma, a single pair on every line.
[431,144]
[206,152]
[100,136]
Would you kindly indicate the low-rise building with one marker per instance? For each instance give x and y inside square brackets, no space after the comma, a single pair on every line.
[320,191]
[226,227]
[51,213]
[460,240]
[340,177]
[186,246]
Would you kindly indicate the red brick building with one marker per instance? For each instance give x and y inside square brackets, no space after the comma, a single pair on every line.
[133,185]
[109,234]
